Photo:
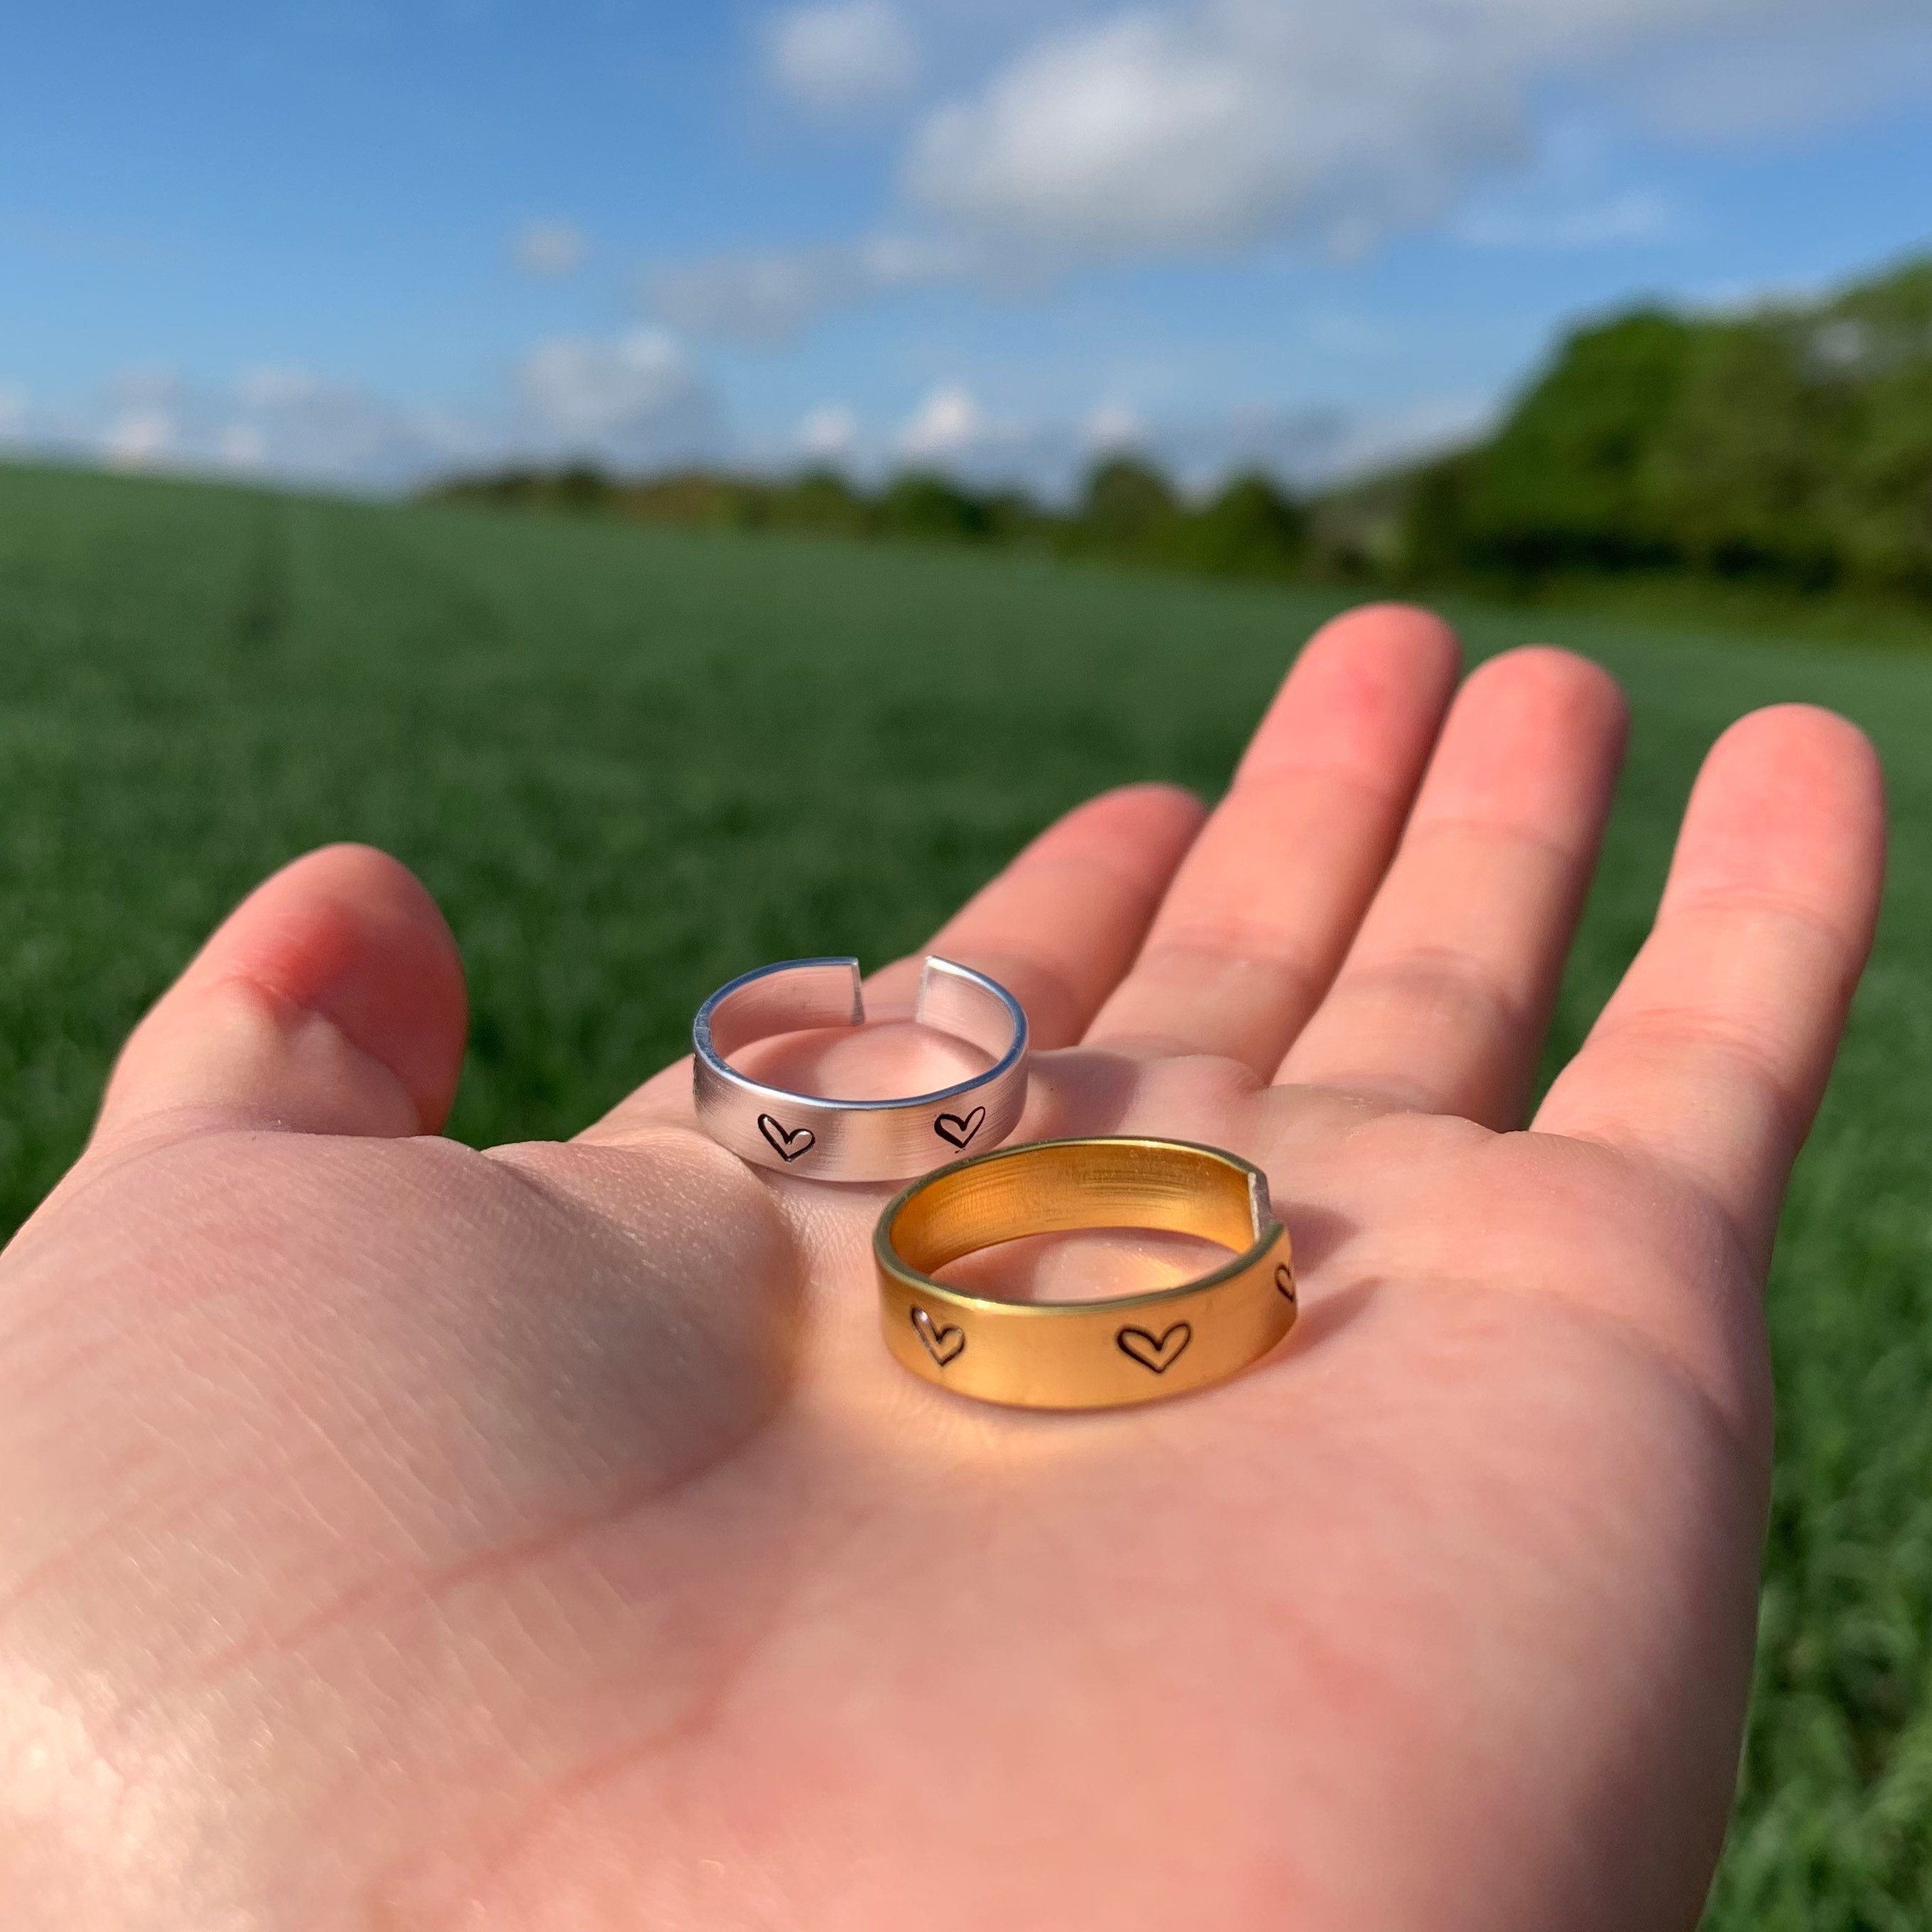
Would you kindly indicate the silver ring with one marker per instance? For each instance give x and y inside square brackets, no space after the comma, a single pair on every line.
[856,1140]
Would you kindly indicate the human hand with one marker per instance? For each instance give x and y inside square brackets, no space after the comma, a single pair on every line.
[393,1534]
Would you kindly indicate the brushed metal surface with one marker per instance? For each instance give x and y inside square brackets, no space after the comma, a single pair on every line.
[829,1139]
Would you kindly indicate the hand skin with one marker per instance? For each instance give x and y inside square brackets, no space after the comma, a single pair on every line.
[394,1535]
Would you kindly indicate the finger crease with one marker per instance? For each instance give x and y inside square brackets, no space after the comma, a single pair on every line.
[1221,947]
[1516,836]
[1439,976]
[1668,1030]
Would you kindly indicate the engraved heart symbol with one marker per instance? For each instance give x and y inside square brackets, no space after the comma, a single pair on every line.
[1284,1281]
[787,1143]
[1159,1354]
[960,1129]
[941,1344]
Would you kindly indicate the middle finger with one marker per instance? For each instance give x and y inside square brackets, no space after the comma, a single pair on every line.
[1263,908]
[1444,1000]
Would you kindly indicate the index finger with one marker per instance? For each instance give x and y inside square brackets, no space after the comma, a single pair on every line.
[1061,924]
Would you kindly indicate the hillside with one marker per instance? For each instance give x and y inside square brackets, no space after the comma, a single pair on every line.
[628,761]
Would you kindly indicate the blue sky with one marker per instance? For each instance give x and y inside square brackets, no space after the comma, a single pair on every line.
[365,243]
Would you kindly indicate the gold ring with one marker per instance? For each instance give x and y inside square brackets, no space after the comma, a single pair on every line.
[1084,1354]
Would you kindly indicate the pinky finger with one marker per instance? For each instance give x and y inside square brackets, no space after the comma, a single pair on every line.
[1713,1055]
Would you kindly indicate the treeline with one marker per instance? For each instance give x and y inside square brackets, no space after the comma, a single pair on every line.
[1127,510]
[1791,446]
[1788,448]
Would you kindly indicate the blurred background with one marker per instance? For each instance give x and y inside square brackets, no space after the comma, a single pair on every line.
[374,245]
[704,485]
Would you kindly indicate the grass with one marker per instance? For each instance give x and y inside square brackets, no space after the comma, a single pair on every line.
[630,763]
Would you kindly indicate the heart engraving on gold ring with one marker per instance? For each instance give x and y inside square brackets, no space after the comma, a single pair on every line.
[1159,1353]
[941,1344]
[1284,1281]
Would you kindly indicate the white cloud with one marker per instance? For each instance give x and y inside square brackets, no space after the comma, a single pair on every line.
[293,422]
[1103,131]
[267,387]
[1204,128]
[1636,217]
[843,54]
[1307,448]
[139,438]
[1823,65]
[1301,446]
[1111,426]
[828,433]
[1362,445]
[948,423]
[1111,430]
[244,446]
[633,399]
[1732,301]
[636,402]
[953,431]
[549,250]
[766,299]
[1206,125]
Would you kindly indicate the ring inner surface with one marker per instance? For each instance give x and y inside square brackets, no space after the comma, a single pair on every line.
[951,1002]
[798,1001]
[1053,1189]
[806,999]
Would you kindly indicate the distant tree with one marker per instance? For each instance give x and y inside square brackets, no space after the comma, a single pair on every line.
[1878,338]
[1742,462]
[1435,540]
[1791,446]
[582,486]
[512,488]
[704,498]
[1013,516]
[1251,527]
[821,500]
[1129,506]
[1567,481]
[921,503]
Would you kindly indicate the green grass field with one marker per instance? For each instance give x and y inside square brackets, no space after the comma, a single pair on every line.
[630,764]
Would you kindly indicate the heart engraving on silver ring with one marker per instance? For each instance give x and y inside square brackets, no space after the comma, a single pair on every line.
[787,1143]
[1159,1353]
[941,1344]
[960,1128]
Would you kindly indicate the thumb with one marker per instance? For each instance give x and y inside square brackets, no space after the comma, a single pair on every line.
[331,1000]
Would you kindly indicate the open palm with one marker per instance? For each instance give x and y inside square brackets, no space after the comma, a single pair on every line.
[394,1535]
